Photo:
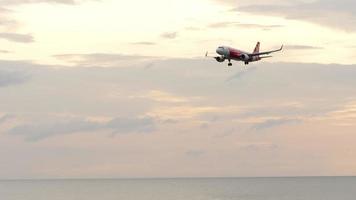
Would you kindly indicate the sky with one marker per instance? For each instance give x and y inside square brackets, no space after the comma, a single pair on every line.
[121,89]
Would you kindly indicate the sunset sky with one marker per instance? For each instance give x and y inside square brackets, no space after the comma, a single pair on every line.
[118,89]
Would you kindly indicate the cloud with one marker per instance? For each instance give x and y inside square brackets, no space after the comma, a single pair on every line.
[346,113]
[17,2]
[249,2]
[169,35]
[259,147]
[195,153]
[243,25]
[131,125]
[8,28]
[5,51]
[162,97]
[144,43]
[168,91]
[271,123]
[336,14]
[102,59]
[41,130]
[38,131]
[4,118]
[8,78]
[192,28]
[182,111]
[302,47]
[10,24]
[275,91]
[5,22]
[279,80]
[15,37]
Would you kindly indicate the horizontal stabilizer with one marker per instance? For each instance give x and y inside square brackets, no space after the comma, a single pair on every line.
[266,57]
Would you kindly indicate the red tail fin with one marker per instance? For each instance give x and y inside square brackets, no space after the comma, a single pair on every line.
[257,48]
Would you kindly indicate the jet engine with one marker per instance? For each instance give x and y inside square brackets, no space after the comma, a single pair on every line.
[220,59]
[245,57]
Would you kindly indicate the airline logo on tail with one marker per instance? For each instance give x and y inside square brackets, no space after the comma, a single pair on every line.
[257,48]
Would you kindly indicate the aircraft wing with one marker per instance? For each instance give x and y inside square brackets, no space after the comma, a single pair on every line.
[266,52]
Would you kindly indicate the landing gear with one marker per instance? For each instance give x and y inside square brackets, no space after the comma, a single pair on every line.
[246,63]
[230,64]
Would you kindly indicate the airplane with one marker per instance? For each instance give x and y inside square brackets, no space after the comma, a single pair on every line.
[228,53]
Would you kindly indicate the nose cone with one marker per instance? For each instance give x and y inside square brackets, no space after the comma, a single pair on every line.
[220,51]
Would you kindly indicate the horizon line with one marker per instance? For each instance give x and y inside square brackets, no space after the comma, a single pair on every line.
[169,178]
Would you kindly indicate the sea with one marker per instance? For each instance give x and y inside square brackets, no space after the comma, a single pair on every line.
[302,188]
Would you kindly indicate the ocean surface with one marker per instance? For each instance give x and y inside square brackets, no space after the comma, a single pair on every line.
[326,188]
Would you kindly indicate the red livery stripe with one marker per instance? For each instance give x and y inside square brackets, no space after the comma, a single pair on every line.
[234,53]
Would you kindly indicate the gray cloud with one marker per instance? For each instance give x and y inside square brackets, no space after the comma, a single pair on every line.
[169,35]
[5,51]
[42,130]
[8,26]
[240,3]
[127,125]
[8,78]
[103,93]
[101,59]
[143,43]
[38,131]
[5,22]
[96,57]
[194,153]
[260,147]
[4,118]
[4,10]
[337,14]
[243,25]
[273,78]
[222,24]
[271,123]
[192,28]
[17,2]
[111,91]
[16,37]
[302,47]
